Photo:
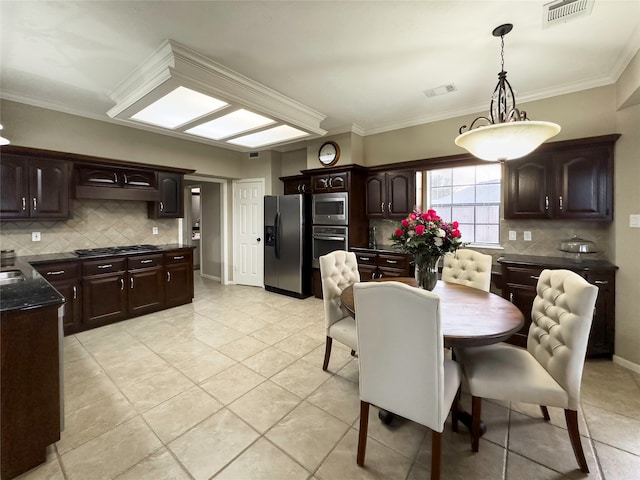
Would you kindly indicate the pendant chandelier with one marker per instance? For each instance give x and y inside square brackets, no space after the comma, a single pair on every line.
[507,133]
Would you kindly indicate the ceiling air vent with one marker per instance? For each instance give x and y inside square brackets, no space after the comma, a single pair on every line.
[254,154]
[561,11]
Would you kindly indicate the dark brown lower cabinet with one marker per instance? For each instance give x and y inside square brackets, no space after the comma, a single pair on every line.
[520,275]
[374,264]
[30,385]
[65,277]
[104,291]
[146,284]
[179,277]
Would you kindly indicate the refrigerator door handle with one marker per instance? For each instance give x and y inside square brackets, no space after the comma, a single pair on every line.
[277,235]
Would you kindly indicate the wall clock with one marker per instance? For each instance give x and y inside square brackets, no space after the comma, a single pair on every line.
[329,154]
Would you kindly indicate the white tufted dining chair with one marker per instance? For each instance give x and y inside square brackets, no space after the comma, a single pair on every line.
[402,364]
[549,371]
[338,270]
[467,267]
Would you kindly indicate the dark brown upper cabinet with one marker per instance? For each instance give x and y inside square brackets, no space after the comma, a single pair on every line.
[171,203]
[330,182]
[107,182]
[566,182]
[34,188]
[391,194]
[296,184]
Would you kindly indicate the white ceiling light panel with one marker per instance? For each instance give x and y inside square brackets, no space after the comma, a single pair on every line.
[267,137]
[233,123]
[178,107]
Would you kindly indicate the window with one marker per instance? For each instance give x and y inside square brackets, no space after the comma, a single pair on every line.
[469,195]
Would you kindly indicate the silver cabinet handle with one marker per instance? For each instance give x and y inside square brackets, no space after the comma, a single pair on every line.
[365,259]
[511,297]
[121,284]
[601,282]
[108,265]
[534,277]
[382,207]
[126,180]
[546,202]
[161,207]
[57,272]
[24,204]
[330,182]
[304,188]
[299,189]
[131,282]
[35,204]
[146,261]
[75,292]
[560,199]
[115,177]
[168,276]
[179,257]
[392,262]
[373,276]
[389,208]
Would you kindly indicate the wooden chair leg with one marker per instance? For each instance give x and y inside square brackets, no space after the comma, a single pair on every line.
[327,353]
[436,454]
[476,412]
[364,426]
[571,416]
[455,408]
[545,412]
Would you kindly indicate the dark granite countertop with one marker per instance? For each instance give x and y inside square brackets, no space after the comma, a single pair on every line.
[556,262]
[35,291]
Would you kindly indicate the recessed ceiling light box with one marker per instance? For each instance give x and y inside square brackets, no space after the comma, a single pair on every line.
[189,94]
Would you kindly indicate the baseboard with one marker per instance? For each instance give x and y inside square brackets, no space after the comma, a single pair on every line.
[626,364]
[210,277]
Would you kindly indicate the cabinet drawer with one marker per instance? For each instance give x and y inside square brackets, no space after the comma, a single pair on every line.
[366,258]
[105,265]
[393,261]
[180,256]
[59,271]
[145,261]
[523,275]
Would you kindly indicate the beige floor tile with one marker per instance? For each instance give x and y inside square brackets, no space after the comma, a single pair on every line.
[273,316]
[524,469]
[616,464]
[93,420]
[245,323]
[160,465]
[496,418]
[380,461]
[297,322]
[351,371]
[340,356]
[243,348]
[183,351]
[339,397]
[85,392]
[610,387]
[216,334]
[205,365]
[265,405]
[270,361]
[546,444]
[301,378]
[615,430]
[155,390]
[263,461]
[74,351]
[232,383]
[272,334]
[308,434]
[80,369]
[178,414]
[50,470]
[211,445]
[112,453]
[298,344]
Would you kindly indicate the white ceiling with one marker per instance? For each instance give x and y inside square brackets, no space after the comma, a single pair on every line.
[365,65]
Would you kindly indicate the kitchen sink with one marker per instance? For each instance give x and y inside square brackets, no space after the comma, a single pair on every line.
[11,276]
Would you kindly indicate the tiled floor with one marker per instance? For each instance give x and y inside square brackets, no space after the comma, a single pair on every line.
[231,387]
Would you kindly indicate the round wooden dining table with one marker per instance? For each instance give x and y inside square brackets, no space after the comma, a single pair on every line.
[469,317]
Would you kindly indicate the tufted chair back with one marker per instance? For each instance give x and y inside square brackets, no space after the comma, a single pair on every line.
[338,270]
[560,324]
[467,267]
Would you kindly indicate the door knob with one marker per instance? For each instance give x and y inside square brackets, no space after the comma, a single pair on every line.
[259,240]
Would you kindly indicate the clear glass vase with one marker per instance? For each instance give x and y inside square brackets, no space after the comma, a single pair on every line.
[427,271]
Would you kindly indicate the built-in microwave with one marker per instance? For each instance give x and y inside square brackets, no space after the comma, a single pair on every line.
[331,208]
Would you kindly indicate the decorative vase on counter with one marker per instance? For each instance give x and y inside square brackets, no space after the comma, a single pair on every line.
[426,271]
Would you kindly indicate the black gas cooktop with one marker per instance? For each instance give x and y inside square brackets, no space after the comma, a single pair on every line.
[92,252]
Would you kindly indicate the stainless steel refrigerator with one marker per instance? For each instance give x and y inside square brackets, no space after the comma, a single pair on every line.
[287,244]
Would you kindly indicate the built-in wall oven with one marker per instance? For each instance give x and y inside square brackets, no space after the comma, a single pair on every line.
[326,239]
[331,208]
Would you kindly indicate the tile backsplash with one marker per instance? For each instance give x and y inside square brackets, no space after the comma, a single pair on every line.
[546,236]
[95,223]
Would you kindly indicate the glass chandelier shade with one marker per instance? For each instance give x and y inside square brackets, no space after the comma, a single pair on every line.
[507,133]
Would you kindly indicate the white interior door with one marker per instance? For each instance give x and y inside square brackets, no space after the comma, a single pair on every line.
[248,220]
